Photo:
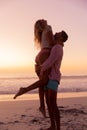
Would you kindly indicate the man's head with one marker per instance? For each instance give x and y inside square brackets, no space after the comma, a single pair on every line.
[61,36]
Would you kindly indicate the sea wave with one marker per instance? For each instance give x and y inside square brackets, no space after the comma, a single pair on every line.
[11,84]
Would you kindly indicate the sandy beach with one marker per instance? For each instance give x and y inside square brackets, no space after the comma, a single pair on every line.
[24,114]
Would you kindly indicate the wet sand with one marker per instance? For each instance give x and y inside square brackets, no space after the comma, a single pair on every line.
[24,114]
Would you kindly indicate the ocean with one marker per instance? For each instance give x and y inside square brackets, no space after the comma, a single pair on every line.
[10,83]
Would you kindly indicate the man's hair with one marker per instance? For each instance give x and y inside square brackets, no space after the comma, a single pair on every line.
[65,36]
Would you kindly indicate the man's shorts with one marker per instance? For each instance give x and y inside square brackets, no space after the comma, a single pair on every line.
[52,84]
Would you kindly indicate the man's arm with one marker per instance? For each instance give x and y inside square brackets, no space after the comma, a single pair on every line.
[55,55]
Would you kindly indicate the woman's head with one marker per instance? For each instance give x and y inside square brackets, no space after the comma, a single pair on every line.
[38,29]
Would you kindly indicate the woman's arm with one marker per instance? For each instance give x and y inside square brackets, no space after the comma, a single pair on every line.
[49,36]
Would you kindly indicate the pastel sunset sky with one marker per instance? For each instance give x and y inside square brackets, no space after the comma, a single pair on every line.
[17,18]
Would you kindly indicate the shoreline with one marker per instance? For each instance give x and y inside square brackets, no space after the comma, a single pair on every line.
[9,97]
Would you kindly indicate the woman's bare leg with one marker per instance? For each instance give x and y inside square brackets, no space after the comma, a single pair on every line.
[39,84]
[42,103]
[42,57]
[35,85]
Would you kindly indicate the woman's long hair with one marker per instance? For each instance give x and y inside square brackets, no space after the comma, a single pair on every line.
[38,29]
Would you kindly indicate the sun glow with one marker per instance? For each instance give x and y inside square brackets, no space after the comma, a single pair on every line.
[17,29]
[13,59]
[8,57]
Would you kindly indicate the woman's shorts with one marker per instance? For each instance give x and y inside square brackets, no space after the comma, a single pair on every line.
[52,84]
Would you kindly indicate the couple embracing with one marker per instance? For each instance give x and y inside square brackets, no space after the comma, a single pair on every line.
[48,63]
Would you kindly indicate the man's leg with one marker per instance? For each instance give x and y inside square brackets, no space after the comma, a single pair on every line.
[50,100]
[54,112]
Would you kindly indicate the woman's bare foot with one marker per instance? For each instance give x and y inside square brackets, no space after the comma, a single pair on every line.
[20,92]
[43,111]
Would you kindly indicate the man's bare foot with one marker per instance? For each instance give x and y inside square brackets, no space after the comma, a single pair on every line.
[43,111]
[50,128]
[20,92]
